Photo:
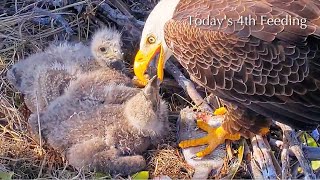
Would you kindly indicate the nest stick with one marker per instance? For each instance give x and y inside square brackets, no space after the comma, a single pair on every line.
[289,136]
[56,17]
[311,153]
[262,156]
[118,16]
[285,161]
[251,165]
[187,85]
[122,7]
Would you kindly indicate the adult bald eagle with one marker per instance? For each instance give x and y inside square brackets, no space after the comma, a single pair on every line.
[267,69]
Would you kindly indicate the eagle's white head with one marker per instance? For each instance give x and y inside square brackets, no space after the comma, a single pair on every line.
[152,40]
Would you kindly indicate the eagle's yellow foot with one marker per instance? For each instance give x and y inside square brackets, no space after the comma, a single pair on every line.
[215,137]
[220,111]
[264,131]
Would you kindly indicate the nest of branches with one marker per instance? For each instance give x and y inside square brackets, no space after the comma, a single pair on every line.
[27,27]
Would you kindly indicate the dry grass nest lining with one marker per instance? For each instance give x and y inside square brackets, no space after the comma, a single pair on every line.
[28,27]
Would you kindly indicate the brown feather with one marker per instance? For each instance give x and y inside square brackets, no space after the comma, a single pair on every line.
[271,70]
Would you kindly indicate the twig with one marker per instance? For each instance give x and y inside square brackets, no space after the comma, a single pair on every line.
[60,3]
[122,7]
[126,11]
[311,153]
[262,156]
[251,165]
[274,159]
[39,124]
[295,170]
[285,161]
[75,4]
[289,135]
[114,14]
[117,16]
[187,85]
[132,26]
[56,17]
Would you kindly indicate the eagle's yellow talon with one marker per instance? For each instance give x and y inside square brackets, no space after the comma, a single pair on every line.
[220,111]
[202,125]
[264,131]
[215,137]
[193,142]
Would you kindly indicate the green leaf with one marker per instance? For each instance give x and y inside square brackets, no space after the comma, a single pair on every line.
[143,175]
[315,165]
[6,175]
[312,143]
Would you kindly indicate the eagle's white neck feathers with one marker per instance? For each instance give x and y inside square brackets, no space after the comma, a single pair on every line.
[156,21]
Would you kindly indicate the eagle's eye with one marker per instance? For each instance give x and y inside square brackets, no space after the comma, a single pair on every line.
[151,39]
[103,49]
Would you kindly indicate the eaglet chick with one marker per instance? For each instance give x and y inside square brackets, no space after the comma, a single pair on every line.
[106,48]
[106,137]
[43,76]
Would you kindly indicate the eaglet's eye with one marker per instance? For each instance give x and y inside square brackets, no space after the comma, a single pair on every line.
[151,39]
[103,49]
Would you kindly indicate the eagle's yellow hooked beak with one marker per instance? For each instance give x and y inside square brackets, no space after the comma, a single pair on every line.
[142,61]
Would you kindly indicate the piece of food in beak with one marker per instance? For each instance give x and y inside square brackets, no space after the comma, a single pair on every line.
[142,62]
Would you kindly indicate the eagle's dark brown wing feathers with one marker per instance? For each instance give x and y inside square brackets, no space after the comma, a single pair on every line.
[280,115]
[269,72]
[272,70]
